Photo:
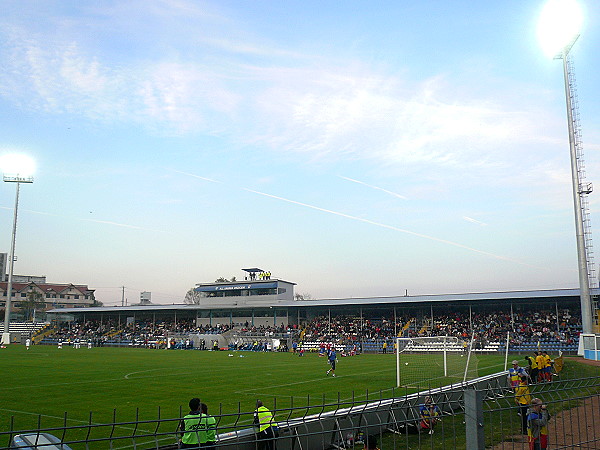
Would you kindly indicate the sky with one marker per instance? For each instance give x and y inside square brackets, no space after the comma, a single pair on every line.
[354,148]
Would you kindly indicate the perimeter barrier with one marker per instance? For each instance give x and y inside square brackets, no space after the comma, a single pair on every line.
[478,414]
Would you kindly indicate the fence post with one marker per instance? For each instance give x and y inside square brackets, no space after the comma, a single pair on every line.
[474,419]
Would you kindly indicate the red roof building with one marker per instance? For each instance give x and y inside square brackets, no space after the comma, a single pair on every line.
[54,295]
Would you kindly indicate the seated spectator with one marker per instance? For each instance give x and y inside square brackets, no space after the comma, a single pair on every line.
[430,415]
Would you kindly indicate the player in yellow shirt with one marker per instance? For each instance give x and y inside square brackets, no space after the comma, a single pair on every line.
[534,370]
[523,399]
[541,363]
[547,366]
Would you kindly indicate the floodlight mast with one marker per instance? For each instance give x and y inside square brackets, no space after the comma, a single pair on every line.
[18,180]
[578,192]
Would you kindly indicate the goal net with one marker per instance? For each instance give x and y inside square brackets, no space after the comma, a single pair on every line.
[421,360]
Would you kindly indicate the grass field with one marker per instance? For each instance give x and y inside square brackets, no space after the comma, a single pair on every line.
[107,385]
[47,381]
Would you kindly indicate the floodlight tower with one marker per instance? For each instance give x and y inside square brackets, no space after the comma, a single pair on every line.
[18,178]
[559,30]
[581,190]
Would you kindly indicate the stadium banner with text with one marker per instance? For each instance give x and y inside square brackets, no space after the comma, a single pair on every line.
[236,287]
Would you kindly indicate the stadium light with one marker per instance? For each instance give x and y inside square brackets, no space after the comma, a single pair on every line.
[17,169]
[559,25]
[558,29]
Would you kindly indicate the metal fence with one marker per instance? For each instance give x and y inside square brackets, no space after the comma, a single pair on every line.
[478,414]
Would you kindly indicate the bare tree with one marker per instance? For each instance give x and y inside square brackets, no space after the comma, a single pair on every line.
[192,297]
[304,296]
[34,301]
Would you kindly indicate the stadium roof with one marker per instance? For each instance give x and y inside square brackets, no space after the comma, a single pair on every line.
[479,296]
[506,296]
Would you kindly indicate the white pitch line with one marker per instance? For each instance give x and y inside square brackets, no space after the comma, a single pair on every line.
[283,385]
[126,376]
[44,386]
[362,374]
[68,419]
[142,371]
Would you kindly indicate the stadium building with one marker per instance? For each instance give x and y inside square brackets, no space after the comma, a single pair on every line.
[265,303]
[272,303]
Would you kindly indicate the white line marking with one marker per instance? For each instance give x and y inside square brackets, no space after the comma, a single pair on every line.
[68,419]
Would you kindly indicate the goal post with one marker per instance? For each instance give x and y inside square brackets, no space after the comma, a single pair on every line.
[420,359]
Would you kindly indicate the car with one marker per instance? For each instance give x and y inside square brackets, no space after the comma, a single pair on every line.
[37,441]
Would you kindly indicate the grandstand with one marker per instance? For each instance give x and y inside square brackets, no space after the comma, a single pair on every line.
[267,309]
[23,330]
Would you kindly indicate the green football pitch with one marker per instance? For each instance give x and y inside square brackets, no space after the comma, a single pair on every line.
[48,382]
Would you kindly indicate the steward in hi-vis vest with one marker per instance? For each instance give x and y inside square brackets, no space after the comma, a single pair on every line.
[207,435]
[190,425]
[267,428]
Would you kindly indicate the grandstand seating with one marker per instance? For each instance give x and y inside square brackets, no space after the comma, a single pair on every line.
[529,331]
[24,327]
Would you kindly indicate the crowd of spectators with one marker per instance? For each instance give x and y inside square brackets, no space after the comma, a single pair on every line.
[110,330]
[266,330]
[525,326]
[485,327]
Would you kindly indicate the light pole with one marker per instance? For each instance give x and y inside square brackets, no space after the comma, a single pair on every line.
[559,29]
[18,179]
[578,191]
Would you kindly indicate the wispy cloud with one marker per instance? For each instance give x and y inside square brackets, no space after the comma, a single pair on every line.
[391,227]
[104,222]
[328,109]
[478,222]
[123,225]
[196,176]
[373,187]
[371,222]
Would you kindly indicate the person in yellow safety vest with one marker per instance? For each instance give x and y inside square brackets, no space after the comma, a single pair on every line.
[207,434]
[190,425]
[267,428]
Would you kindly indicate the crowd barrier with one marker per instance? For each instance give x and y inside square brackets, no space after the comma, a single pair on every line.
[474,415]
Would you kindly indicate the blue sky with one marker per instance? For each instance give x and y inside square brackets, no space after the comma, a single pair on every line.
[355,148]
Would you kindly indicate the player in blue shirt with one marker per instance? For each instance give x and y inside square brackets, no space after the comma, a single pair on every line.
[331,358]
